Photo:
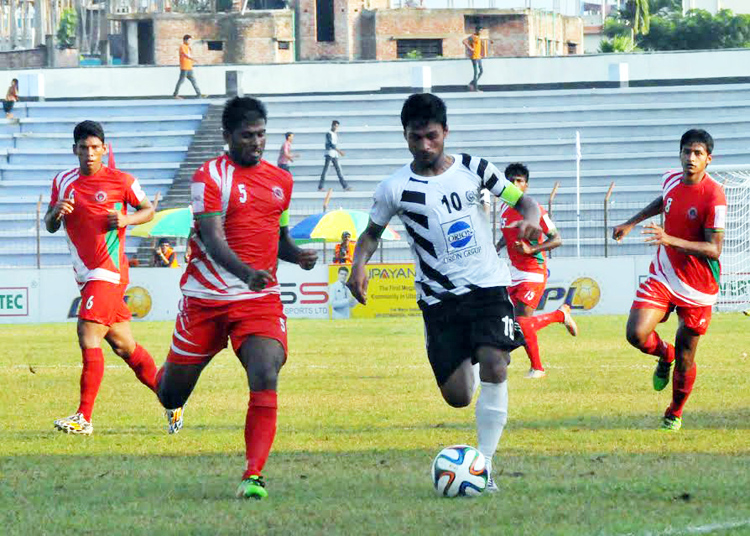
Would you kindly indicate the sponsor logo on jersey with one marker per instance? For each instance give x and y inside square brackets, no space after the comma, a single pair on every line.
[100,196]
[278,193]
[459,233]
[471,196]
[692,213]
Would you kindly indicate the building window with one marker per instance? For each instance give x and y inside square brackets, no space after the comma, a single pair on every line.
[284,45]
[419,48]
[572,48]
[215,45]
[324,20]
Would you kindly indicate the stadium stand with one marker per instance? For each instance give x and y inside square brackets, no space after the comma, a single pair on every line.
[628,136]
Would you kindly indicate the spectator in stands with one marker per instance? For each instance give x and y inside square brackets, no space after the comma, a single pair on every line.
[285,154]
[332,153]
[164,255]
[473,45]
[342,301]
[11,97]
[186,67]
[344,252]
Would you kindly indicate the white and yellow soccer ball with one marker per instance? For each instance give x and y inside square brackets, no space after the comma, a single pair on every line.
[459,471]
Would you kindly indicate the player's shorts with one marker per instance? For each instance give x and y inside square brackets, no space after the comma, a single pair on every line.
[456,327]
[104,303]
[203,327]
[527,292]
[652,294]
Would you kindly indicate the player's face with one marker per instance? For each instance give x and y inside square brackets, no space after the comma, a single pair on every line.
[89,152]
[694,158]
[247,142]
[426,142]
[520,182]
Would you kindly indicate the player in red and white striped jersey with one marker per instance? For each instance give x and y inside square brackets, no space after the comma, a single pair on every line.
[528,268]
[240,204]
[684,275]
[92,201]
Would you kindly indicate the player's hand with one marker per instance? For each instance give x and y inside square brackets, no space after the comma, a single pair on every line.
[258,279]
[342,153]
[527,230]
[621,231]
[63,207]
[116,220]
[523,247]
[357,284]
[307,259]
[655,235]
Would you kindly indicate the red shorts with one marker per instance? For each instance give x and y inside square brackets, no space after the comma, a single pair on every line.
[203,326]
[104,303]
[652,294]
[527,292]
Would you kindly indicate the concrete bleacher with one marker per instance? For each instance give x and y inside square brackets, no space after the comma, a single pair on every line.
[149,139]
[628,136]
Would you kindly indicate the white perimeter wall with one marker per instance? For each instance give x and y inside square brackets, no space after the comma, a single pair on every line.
[322,77]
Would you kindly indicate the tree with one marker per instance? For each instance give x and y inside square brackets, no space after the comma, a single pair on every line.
[641,17]
[66,31]
[618,44]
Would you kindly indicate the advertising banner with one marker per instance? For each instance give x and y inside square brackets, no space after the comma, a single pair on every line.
[390,292]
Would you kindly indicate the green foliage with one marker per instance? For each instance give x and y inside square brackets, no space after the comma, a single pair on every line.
[360,419]
[618,44]
[413,55]
[698,30]
[68,28]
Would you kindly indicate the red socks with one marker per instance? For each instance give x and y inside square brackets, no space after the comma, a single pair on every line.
[682,386]
[260,430]
[529,326]
[657,347]
[91,379]
[143,365]
[532,343]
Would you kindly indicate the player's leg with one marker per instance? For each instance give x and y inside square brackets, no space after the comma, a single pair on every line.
[459,387]
[524,314]
[180,80]
[262,359]
[190,76]
[641,333]
[481,72]
[121,340]
[322,181]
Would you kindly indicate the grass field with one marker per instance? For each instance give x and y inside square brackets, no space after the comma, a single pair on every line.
[360,419]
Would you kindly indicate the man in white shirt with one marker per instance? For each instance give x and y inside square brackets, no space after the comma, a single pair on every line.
[332,153]
[342,301]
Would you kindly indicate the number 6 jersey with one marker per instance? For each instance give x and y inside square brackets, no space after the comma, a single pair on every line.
[447,229]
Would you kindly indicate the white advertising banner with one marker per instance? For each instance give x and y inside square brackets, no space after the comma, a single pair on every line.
[590,286]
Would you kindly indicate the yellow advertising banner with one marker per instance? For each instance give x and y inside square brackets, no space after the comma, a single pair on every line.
[390,292]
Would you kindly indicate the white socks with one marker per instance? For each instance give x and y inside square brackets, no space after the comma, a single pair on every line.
[492,414]
[475,386]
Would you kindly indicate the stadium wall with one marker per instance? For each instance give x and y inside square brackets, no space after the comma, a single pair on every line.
[596,286]
[331,77]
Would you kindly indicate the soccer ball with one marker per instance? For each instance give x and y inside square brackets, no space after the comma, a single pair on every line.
[587,293]
[459,471]
[139,301]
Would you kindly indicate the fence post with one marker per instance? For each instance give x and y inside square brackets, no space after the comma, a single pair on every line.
[606,219]
[39,233]
[552,195]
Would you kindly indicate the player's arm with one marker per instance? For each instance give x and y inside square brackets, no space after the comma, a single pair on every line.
[554,240]
[290,252]
[55,214]
[211,230]
[654,208]
[367,244]
[709,248]
[528,227]
[144,213]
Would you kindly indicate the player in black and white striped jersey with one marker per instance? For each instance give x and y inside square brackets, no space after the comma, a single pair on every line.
[460,282]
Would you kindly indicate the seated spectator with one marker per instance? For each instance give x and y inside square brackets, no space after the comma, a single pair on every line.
[344,252]
[164,255]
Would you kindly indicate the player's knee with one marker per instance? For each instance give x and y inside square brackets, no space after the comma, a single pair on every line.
[170,398]
[457,399]
[635,336]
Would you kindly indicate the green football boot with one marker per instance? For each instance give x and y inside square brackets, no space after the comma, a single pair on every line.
[252,487]
[671,423]
[661,375]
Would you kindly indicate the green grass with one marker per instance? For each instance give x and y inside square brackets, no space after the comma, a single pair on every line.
[360,419]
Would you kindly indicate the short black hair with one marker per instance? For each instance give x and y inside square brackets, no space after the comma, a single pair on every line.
[242,109]
[286,136]
[186,37]
[163,241]
[344,268]
[517,169]
[86,129]
[697,135]
[477,29]
[14,80]
[423,108]
[335,122]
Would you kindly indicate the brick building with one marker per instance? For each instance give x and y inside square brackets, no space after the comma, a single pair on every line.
[311,30]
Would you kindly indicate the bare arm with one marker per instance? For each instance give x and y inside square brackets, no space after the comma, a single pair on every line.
[654,208]
[55,214]
[710,248]
[289,252]
[144,213]
[367,244]
[528,227]
[554,240]
[212,234]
